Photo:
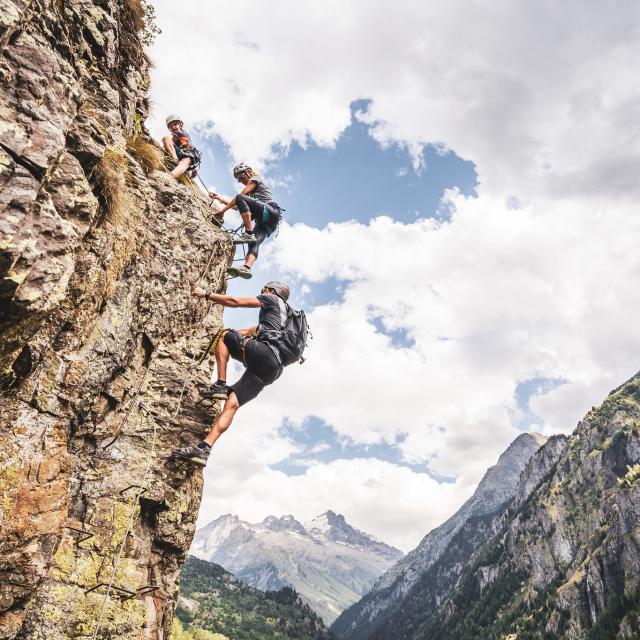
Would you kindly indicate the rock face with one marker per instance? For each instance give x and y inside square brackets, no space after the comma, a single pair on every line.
[98,334]
[565,562]
[427,574]
[329,562]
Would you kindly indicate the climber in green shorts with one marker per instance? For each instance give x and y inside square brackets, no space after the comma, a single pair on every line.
[259,211]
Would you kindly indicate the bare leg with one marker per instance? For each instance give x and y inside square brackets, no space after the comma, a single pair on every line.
[169,147]
[249,260]
[222,358]
[224,420]
[246,218]
[181,167]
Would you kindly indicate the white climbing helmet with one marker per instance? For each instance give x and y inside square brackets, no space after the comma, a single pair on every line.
[239,169]
[173,118]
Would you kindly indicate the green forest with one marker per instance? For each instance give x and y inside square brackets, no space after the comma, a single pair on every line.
[215,605]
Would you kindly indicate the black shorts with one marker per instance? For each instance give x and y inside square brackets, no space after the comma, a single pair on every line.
[262,366]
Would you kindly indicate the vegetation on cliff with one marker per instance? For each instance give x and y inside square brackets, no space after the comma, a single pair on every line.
[565,563]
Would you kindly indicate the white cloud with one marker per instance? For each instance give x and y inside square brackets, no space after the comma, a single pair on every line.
[543,97]
[495,297]
[389,501]
[536,277]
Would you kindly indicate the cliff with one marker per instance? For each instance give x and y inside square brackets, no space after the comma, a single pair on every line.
[99,338]
[426,575]
[565,562]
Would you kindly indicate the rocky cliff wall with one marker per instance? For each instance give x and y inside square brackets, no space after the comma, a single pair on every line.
[566,562]
[99,339]
[435,564]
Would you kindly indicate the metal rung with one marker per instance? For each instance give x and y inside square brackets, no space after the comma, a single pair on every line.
[194,431]
[144,408]
[127,594]
[133,486]
[85,534]
[143,591]
[130,594]
[20,584]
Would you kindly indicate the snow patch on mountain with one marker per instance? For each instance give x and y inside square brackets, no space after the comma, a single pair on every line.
[329,562]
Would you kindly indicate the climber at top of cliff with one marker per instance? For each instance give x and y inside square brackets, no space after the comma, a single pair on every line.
[260,214]
[178,146]
[278,340]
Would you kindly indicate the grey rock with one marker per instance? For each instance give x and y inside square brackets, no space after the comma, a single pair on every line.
[97,332]
[495,490]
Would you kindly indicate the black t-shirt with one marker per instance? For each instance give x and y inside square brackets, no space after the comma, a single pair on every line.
[273,313]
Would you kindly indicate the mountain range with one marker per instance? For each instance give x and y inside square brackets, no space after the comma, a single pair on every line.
[551,553]
[329,562]
[442,553]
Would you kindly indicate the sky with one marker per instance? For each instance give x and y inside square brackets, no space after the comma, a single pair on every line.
[460,182]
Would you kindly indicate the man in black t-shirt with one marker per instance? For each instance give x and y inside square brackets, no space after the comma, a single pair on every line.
[261,359]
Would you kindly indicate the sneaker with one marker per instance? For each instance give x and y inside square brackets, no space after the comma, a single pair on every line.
[245,237]
[215,392]
[239,272]
[193,454]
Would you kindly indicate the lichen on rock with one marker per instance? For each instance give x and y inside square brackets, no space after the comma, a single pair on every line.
[99,336]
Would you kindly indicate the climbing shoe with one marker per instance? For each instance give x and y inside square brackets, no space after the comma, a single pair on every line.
[215,392]
[245,237]
[197,453]
[239,272]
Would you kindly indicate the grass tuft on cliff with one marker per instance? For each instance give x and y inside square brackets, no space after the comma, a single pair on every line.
[109,176]
[147,154]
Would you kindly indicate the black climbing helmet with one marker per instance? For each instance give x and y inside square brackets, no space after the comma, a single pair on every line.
[280,288]
[239,169]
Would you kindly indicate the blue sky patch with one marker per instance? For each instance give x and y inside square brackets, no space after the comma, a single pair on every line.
[525,391]
[399,338]
[320,443]
[357,179]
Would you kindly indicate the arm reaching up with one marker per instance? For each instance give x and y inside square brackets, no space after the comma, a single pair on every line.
[225,300]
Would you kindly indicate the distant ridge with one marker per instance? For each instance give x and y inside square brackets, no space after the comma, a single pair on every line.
[329,562]
[468,527]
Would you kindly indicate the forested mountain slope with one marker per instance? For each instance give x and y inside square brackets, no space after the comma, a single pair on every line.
[215,601]
[565,562]
[442,554]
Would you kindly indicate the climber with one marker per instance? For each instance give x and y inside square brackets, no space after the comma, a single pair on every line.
[263,360]
[256,205]
[178,146]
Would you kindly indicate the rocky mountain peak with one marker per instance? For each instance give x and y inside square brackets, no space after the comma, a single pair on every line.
[325,521]
[475,518]
[500,481]
[284,523]
[329,562]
